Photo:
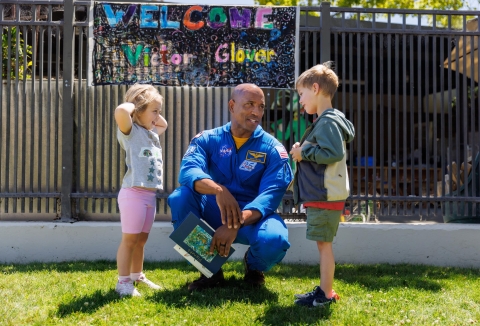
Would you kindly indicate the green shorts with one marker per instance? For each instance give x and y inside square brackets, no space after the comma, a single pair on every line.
[322,224]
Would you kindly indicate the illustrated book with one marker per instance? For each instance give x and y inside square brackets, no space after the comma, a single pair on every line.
[192,240]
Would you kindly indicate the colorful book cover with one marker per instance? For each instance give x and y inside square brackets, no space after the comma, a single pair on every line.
[192,240]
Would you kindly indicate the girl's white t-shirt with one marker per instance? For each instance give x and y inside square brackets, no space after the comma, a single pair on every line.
[143,158]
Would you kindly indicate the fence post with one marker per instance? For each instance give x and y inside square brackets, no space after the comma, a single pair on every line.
[67,114]
[326,24]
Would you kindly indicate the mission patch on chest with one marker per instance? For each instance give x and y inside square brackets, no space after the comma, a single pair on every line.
[256,157]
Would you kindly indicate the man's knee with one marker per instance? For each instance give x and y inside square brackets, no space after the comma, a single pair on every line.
[268,252]
[275,233]
[179,195]
[181,202]
[272,242]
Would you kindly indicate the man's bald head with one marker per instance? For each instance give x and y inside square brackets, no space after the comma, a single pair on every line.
[241,89]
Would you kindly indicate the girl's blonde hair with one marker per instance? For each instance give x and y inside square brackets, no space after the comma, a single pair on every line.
[323,75]
[141,95]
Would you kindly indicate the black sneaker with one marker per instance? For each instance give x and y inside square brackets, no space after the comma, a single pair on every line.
[252,277]
[317,299]
[306,295]
[206,283]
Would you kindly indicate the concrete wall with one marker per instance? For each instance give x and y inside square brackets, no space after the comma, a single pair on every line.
[430,244]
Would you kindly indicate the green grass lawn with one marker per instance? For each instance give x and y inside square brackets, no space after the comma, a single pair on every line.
[82,293]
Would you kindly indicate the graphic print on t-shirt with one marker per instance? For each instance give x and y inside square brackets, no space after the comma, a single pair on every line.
[149,152]
[153,154]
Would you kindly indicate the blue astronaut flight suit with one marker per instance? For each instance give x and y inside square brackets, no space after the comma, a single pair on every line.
[257,175]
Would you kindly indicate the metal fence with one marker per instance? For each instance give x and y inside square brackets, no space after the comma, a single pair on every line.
[405,84]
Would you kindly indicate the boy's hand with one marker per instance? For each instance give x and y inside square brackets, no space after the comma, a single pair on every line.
[296,153]
[296,145]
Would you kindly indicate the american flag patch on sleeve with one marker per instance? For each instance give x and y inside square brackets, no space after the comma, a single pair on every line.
[282,151]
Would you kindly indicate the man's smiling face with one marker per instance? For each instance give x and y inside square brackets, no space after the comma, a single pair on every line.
[246,107]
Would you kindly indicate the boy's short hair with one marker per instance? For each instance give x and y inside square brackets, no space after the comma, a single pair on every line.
[321,74]
[141,95]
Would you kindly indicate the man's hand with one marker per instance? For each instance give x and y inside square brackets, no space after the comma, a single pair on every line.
[229,209]
[222,240]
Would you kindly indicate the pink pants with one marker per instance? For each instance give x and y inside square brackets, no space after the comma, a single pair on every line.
[137,210]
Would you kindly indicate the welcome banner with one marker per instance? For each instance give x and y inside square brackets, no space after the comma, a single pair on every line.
[194,45]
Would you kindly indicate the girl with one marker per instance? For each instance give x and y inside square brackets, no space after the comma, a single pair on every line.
[139,126]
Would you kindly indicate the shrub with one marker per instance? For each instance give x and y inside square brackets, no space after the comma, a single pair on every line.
[24,54]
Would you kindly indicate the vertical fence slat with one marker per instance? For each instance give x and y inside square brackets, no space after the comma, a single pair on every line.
[67,112]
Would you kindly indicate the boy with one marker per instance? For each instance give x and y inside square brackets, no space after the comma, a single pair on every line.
[321,181]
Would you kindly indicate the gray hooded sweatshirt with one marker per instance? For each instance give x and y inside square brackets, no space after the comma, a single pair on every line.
[322,175]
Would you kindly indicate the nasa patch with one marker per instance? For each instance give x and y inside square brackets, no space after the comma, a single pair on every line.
[225,151]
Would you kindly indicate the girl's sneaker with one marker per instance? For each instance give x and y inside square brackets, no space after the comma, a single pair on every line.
[126,288]
[144,280]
